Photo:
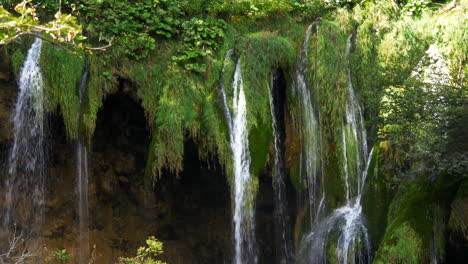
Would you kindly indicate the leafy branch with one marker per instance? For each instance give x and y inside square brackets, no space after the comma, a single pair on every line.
[64,29]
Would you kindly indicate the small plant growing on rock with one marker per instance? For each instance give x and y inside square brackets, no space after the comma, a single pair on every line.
[58,256]
[146,255]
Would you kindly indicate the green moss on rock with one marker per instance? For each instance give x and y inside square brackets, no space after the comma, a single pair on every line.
[377,197]
[403,246]
[62,73]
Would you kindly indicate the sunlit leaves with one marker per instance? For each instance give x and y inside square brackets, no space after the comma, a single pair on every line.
[63,29]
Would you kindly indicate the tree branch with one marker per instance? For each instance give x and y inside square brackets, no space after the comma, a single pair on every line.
[15,38]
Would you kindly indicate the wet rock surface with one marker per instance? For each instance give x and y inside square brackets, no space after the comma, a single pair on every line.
[190,213]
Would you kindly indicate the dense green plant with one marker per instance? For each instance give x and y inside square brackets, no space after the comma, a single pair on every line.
[416,7]
[146,255]
[62,75]
[59,256]
[136,25]
[201,38]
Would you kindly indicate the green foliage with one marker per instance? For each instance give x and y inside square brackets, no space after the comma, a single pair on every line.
[416,7]
[146,255]
[59,256]
[135,24]
[201,39]
[63,29]
[400,51]
[252,9]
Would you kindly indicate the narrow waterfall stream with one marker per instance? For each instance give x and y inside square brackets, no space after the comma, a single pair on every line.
[24,197]
[344,229]
[244,226]
[82,185]
[283,243]
[311,149]
[356,125]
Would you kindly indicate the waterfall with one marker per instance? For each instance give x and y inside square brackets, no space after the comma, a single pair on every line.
[345,228]
[244,227]
[24,197]
[311,138]
[82,185]
[283,243]
[355,121]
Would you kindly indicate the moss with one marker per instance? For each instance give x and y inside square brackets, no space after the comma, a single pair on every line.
[178,104]
[335,189]
[354,172]
[404,245]
[101,82]
[17,60]
[62,74]
[260,138]
[377,197]
[327,80]
[366,73]
[417,207]
[260,53]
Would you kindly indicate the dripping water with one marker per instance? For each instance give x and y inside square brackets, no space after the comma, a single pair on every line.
[244,227]
[82,184]
[355,119]
[311,138]
[345,227]
[24,197]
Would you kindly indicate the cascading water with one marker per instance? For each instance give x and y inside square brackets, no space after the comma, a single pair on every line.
[311,138]
[244,227]
[25,184]
[356,125]
[283,244]
[345,228]
[82,186]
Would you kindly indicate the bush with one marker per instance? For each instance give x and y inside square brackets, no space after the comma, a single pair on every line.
[146,255]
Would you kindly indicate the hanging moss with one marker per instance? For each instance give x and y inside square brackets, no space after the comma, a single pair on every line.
[178,104]
[62,73]
[327,80]
[100,82]
[366,73]
[261,53]
[326,66]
